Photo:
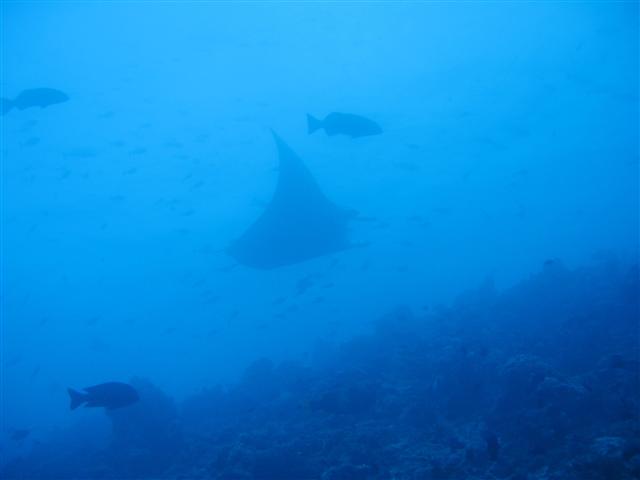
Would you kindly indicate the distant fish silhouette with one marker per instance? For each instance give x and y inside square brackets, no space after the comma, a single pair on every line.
[34,97]
[81,152]
[348,124]
[20,434]
[298,224]
[30,142]
[110,395]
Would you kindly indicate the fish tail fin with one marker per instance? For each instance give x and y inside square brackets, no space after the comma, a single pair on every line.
[313,124]
[76,397]
[6,105]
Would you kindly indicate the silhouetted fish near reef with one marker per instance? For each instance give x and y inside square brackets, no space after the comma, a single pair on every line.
[344,124]
[110,395]
[34,97]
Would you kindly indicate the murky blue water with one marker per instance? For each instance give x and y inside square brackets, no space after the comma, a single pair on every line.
[493,225]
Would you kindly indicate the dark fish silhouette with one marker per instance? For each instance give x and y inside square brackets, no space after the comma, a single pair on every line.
[110,395]
[348,124]
[299,222]
[34,97]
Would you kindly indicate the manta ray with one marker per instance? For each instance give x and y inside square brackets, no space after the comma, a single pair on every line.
[298,224]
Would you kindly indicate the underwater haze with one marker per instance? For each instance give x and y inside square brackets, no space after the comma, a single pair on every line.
[320,240]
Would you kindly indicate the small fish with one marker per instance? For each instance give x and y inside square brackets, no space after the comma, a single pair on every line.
[31,141]
[19,435]
[34,97]
[551,262]
[304,284]
[28,125]
[13,361]
[110,395]
[406,166]
[81,152]
[348,124]
[137,151]
[173,144]
[99,346]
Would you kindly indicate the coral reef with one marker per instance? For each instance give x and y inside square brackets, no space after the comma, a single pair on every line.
[539,382]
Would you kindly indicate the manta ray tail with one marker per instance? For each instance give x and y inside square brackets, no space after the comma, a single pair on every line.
[313,124]
[76,398]
[6,105]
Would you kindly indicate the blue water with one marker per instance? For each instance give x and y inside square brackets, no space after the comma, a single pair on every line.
[485,323]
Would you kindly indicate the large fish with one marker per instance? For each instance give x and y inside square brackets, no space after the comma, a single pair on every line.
[110,395]
[34,97]
[344,124]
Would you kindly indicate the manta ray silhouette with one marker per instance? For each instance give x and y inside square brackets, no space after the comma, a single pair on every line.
[298,224]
